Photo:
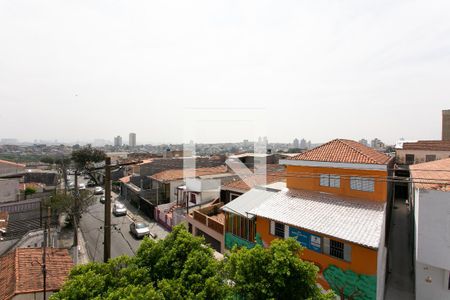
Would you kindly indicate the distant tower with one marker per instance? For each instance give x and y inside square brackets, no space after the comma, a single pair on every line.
[296,143]
[446,125]
[303,144]
[132,139]
[364,142]
[118,141]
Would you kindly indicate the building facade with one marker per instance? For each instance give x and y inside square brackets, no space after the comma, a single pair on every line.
[430,199]
[335,206]
[446,125]
[409,153]
[132,139]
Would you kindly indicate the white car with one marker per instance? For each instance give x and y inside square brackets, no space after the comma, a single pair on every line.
[119,209]
[81,186]
[139,229]
[98,190]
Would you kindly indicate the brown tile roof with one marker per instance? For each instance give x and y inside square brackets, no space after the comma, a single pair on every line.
[176,174]
[433,175]
[344,151]
[254,180]
[125,179]
[21,271]
[427,145]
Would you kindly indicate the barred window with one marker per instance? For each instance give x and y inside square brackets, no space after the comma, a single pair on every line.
[362,184]
[279,229]
[337,249]
[330,180]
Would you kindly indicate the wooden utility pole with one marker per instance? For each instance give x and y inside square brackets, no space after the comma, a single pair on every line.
[107,230]
[44,266]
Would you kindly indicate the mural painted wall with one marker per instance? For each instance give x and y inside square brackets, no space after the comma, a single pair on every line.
[350,284]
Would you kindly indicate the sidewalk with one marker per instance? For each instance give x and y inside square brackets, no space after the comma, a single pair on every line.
[65,240]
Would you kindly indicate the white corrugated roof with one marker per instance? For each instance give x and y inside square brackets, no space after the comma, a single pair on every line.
[353,220]
[249,200]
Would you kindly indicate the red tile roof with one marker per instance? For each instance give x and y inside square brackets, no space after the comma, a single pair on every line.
[125,179]
[11,163]
[176,174]
[21,271]
[433,175]
[427,145]
[344,151]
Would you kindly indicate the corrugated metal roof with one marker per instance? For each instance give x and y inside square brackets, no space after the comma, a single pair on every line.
[246,202]
[353,220]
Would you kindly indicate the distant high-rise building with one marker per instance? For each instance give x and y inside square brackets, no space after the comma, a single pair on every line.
[446,125]
[296,143]
[303,144]
[377,144]
[364,142]
[132,139]
[118,141]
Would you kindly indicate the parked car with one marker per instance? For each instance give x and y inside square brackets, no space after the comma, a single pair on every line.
[102,199]
[119,209]
[98,190]
[86,176]
[139,229]
[91,183]
[81,186]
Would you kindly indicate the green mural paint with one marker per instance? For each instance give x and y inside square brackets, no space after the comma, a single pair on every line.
[233,240]
[353,285]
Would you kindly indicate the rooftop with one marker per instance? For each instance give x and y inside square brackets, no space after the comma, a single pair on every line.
[353,220]
[7,162]
[427,145]
[248,201]
[21,271]
[433,175]
[344,151]
[177,174]
[253,181]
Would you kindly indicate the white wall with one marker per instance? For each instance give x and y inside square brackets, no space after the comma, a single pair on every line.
[173,188]
[9,189]
[433,228]
[437,289]
[381,261]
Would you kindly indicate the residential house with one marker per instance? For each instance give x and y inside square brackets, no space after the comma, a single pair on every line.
[182,189]
[9,190]
[8,168]
[409,153]
[335,206]
[21,272]
[430,199]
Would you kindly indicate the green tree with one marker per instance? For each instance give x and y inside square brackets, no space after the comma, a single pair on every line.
[87,155]
[178,267]
[276,272]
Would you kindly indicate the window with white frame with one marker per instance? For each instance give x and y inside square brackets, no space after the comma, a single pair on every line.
[330,180]
[362,184]
[277,229]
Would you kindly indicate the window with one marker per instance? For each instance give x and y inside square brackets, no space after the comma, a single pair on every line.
[430,157]
[409,158]
[362,184]
[233,196]
[330,180]
[337,249]
[277,229]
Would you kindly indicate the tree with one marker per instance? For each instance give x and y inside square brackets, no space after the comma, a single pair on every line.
[178,267]
[29,191]
[276,272]
[182,267]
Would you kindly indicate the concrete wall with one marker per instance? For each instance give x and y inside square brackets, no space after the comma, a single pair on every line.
[433,228]
[10,168]
[9,190]
[381,263]
[419,155]
[431,283]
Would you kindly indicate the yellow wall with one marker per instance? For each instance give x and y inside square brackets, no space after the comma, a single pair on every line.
[308,178]
[363,260]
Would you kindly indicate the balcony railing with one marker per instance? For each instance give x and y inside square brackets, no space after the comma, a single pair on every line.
[203,216]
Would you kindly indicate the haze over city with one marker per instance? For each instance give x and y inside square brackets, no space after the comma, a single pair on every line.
[77,71]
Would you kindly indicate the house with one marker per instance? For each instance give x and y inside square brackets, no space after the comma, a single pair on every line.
[233,189]
[9,190]
[430,199]
[409,153]
[179,190]
[335,207]
[8,168]
[240,226]
[4,217]
[21,272]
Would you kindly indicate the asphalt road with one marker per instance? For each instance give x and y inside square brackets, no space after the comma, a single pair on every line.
[91,226]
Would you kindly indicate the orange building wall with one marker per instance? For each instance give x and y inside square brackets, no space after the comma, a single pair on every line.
[363,260]
[313,181]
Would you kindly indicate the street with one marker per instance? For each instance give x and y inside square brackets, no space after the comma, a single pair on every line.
[122,242]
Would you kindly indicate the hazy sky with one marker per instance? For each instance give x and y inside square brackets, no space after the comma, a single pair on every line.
[79,70]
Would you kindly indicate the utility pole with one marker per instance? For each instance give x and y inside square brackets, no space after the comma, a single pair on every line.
[75,218]
[44,267]
[107,230]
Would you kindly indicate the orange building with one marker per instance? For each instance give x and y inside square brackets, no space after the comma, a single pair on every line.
[335,206]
